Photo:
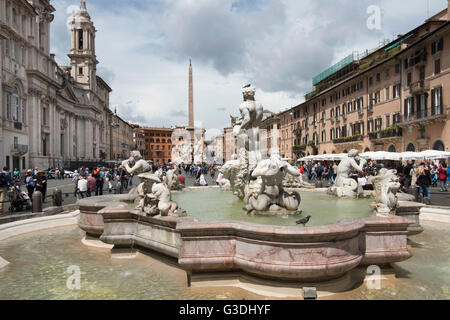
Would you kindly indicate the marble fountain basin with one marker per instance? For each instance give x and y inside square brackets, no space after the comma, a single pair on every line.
[276,252]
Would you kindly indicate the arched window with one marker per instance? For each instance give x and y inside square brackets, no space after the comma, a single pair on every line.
[410,148]
[16,104]
[439,146]
[367,150]
[324,136]
[332,134]
[392,148]
[334,152]
[345,151]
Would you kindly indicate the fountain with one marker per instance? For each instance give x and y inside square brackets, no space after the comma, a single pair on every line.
[247,236]
[261,240]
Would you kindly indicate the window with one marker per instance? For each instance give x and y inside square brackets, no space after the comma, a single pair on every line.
[8,106]
[324,136]
[14,15]
[436,101]
[22,54]
[437,66]
[378,123]
[80,71]
[409,78]
[332,133]
[397,68]
[437,46]
[409,107]
[14,49]
[370,125]
[7,47]
[388,121]
[378,77]
[16,104]
[396,91]
[24,113]
[370,81]
[377,97]
[80,39]
[44,116]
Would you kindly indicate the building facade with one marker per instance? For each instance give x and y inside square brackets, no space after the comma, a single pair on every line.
[395,98]
[122,138]
[51,115]
[158,144]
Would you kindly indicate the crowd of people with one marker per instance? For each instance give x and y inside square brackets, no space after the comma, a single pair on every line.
[420,174]
[91,182]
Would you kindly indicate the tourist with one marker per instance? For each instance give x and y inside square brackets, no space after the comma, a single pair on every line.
[16,174]
[41,184]
[181,178]
[98,175]
[424,182]
[219,177]
[91,186]
[448,175]
[202,180]
[30,182]
[442,176]
[109,178]
[212,172]
[75,179]
[82,186]
[5,183]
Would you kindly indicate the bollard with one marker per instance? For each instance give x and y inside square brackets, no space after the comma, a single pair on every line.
[57,198]
[37,202]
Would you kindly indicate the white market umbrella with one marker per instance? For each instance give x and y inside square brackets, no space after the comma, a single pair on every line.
[433,155]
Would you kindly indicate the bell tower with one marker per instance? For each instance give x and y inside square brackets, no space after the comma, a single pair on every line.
[83,61]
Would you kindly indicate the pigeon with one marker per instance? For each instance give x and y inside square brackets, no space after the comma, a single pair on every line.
[247,86]
[304,220]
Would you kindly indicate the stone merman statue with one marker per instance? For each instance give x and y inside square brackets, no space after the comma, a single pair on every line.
[135,164]
[344,185]
[271,195]
[386,186]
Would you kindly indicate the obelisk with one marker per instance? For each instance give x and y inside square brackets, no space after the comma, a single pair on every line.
[191,97]
[191,127]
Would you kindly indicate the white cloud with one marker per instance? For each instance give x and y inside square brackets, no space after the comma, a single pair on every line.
[277,45]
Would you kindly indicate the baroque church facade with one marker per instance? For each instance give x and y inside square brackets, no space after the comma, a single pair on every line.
[51,116]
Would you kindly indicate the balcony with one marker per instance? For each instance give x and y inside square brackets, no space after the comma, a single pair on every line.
[19,149]
[298,132]
[419,87]
[352,139]
[18,125]
[422,117]
[300,148]
[387,133]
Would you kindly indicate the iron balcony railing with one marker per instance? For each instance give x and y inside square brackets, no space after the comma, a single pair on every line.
[19,148]
[354,138]
[387,133]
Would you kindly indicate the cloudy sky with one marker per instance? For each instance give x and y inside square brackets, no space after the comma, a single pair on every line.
[144,47]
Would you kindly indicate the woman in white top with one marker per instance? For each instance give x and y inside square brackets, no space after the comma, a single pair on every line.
[202,181]
[82,186]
